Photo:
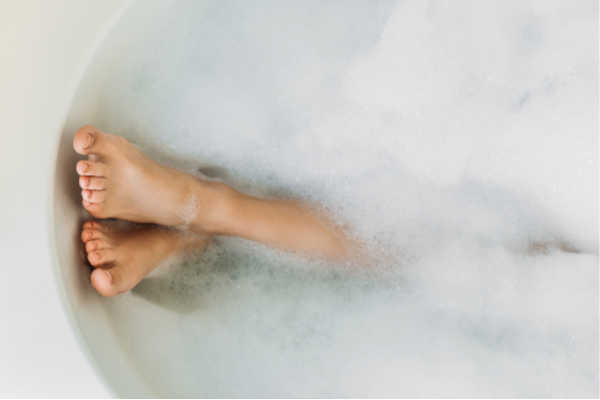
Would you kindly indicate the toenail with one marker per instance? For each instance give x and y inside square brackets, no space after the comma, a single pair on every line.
[109,276]
[89,139]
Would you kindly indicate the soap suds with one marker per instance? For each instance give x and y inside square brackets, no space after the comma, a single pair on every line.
[458,140]
[187,213]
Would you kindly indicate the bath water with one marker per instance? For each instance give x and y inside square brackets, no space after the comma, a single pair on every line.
[458,140]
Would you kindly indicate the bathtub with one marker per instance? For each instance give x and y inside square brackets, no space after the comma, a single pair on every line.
[133,364]
[41,65]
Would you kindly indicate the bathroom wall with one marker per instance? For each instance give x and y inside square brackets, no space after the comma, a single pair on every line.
[43,47]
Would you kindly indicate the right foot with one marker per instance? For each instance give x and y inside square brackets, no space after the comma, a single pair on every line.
[123,257]
[119,181]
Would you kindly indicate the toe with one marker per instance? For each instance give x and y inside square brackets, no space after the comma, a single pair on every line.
[92,234]
[96,244]
[93,225]
[100,257]
[103,282]
[89,140]
[116,280]
[93,196]
[90,168]
[97,210]
[91,182]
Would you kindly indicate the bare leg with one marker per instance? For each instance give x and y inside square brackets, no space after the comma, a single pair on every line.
[287,225]
[119,181]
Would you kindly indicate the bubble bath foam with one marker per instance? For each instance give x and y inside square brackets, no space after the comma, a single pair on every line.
[458,140]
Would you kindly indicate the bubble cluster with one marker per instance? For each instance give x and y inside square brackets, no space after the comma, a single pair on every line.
[457,140]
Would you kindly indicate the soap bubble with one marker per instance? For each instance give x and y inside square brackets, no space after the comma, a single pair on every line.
[457,140]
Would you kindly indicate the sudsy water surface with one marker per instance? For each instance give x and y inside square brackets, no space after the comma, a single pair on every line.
[458,140]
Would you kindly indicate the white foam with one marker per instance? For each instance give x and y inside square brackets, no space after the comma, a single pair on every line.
[458,139]
[187,214]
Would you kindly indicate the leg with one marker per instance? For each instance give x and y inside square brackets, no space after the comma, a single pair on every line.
[288,225]
[119,181]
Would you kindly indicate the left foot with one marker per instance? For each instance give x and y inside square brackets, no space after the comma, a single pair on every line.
[119,181]
[123,257]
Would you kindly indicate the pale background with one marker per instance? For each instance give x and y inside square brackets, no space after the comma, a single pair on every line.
[44,44]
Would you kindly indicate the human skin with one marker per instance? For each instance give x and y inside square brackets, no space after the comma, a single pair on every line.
[123,256]
[118,181]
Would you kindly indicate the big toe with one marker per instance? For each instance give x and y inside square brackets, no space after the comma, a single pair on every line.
[116,280]
[103,282]
[88,140]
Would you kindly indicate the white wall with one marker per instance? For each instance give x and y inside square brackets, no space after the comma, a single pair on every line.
[43,46]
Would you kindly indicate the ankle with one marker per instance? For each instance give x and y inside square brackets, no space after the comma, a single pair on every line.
[214,204]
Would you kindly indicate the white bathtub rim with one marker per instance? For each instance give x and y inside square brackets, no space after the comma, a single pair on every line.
[57,127]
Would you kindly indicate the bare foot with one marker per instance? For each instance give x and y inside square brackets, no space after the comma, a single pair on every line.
[119,181]
[123,257]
